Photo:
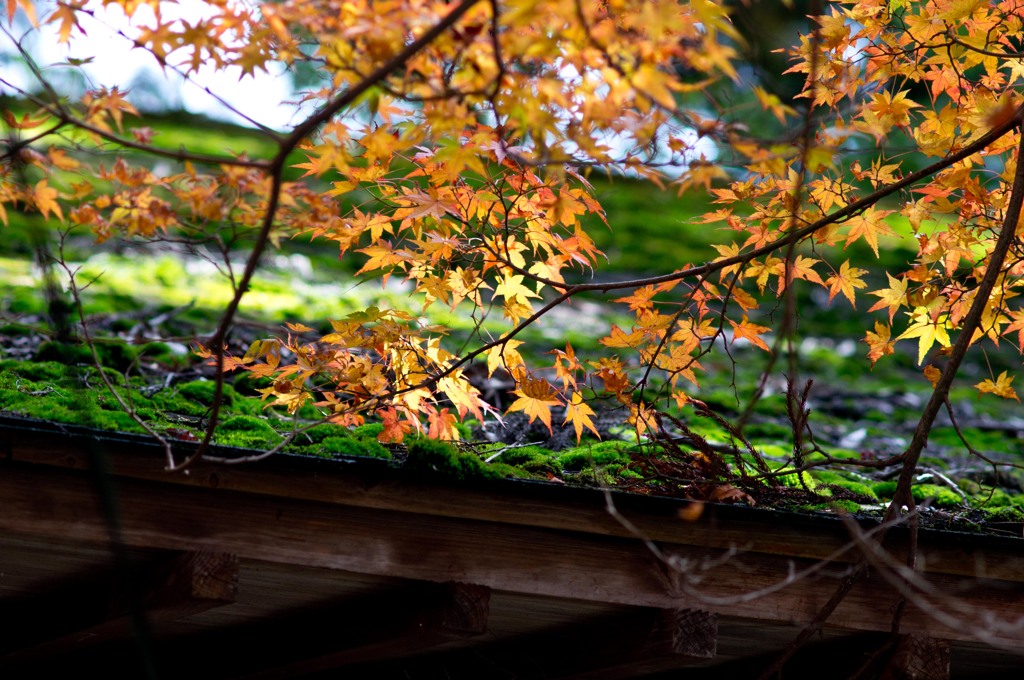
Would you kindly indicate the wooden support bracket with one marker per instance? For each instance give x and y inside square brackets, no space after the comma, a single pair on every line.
[917,657]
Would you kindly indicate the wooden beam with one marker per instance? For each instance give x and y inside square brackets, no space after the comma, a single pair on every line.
[412,545]
[85,612]
[725,527]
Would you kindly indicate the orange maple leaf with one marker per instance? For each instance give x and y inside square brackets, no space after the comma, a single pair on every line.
[879,342]
[749,331]
[45,198]
[845,281]
[536,397]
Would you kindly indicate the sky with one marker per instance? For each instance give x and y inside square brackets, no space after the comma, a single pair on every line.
[115,62]
[266,98]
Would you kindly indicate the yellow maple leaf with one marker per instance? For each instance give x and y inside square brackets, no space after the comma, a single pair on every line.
[579,414]
[893,297]
[504,356]
[1001,387]
[928,331]
[512,287]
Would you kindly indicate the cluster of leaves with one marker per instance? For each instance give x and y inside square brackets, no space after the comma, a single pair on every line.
[449,150]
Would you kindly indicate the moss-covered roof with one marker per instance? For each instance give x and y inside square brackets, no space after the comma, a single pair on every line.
[971,497]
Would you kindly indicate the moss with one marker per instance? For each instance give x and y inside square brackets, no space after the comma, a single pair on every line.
[856,487]
[118,355]
[318,433]
[529,458]
[845,505]
[368,431]
[309,412]
[247,384]
[996,498]
[939,496]
[201,392]
[61,352]
[775,451]
[247,432]
[789,477]
[441,459]
[767,430]
[1009,513]
[837,480]
[581,457]
[35,371]
[347,446]
[830,506]
[969,487]
[884,489]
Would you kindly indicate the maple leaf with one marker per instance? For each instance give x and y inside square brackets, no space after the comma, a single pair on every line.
[893,297]
[879,342]
[749,331]
[845,281]
[442,425]
[65,14]
[927,330]
[504,356]
[450,145]
[45,198]
[27,6]
[464,396]
[535,399]
[643,419]
[640,299]
[580,415]
[869,225]
[1017,324]
[511,288]
[618,338]
[395,426]
[1001,387]
[566,366]
[803,268]
[60,159]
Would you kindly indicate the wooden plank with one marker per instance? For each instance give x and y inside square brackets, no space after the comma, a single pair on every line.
[81,613]
[764,532]
[530,560]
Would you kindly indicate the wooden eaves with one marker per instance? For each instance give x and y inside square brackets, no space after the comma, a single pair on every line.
[298,567]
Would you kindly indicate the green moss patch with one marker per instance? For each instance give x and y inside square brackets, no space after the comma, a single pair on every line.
[440,459]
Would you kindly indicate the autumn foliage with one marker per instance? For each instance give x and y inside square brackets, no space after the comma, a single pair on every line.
[451,146]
